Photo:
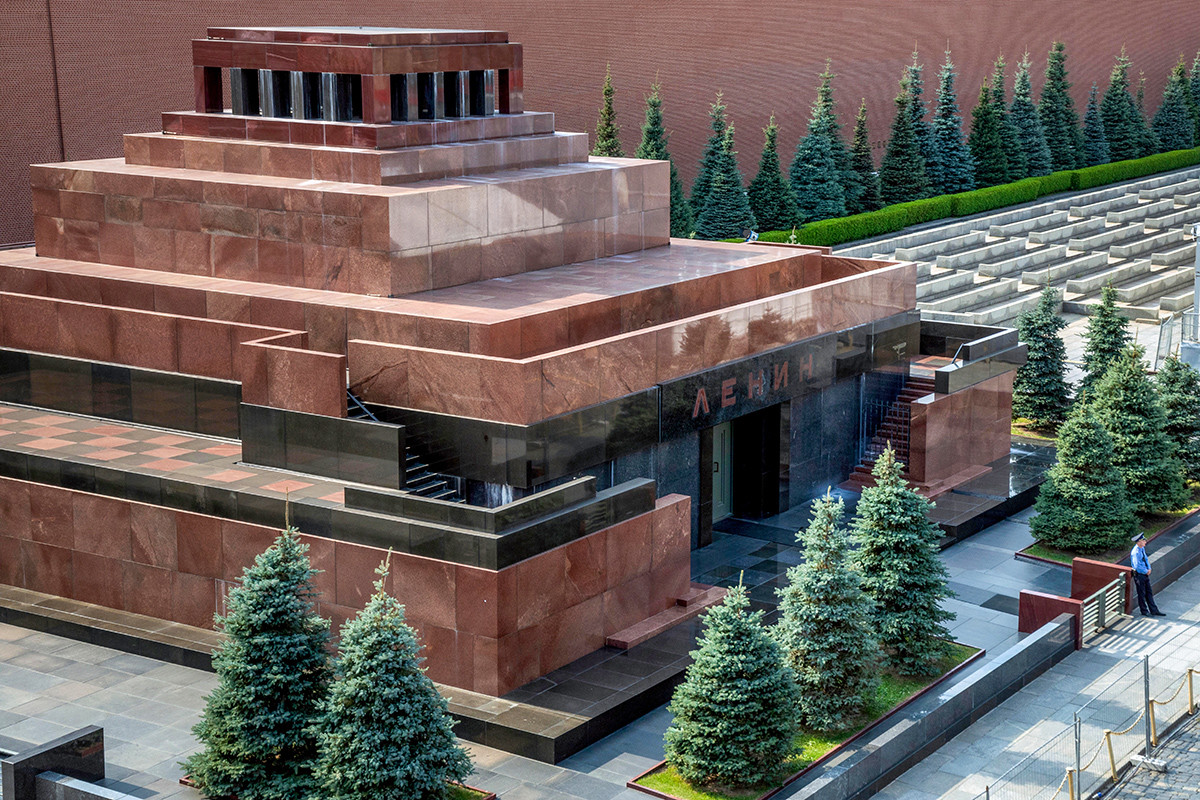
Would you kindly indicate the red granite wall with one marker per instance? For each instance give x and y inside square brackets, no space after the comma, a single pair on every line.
[951,433]
[488,631]
[118,70]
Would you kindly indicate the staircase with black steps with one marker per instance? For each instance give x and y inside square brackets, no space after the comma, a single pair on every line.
[418,478]
[893,429]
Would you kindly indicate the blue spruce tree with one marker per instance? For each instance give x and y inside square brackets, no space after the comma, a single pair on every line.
[1095,136]
[951,168]
[902,172]
[1059,120]
[727,211]
[1017,166]
[1024,116]
[1122,124]
[771,198]
[1175,123]
[712,154]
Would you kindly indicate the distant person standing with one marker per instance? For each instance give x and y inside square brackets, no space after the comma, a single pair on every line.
[1141,577]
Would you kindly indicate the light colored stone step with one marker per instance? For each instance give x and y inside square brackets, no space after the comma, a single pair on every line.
[1057,273]
[1007,310]
[1065,232]
[969,258]
[1183,255]
[1116,274]
[1169,190]
[927,251]
[981,293]
[1150,244]
[1178,219]
[945,282]
[1024,226]
[1020,263]
[1107,238]
[1118,203]
[1187,199]
[1139,212]
[1179,301]
[1156,285]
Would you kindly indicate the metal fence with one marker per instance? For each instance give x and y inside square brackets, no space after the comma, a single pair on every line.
[1123,719]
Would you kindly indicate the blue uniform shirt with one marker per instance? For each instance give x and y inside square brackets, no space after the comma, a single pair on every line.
[1137,557]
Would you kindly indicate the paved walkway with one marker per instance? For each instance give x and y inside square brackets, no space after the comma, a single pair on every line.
[1181,781]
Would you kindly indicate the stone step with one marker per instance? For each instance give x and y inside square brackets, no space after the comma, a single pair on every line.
[1030,258]
[1107,238]
[1183,255]
[1177,219]
[1056,273]
[1008,310]
[1072,231]
[1118,203]
[1139,212]
[929,250]
[947,282]
[967,258]
[1170,190]
[1187,199]
[1156,285]
[983,293]
[1024,226]
[924,268]
[1143,247]
[1116,274]
[1179,301]
[668,618]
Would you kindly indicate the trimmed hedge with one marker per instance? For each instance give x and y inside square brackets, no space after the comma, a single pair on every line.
[830,232]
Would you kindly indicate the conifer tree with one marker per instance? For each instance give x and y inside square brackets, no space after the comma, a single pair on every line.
[771,199]
[608,132]
[1095,137]
[1194,91]
[654,146]
[1175,123]
[713,153]
[727,211]
[897,557]
[824,627]
[386,733]
[916,106]
[863,163]
[735,712]
[1024,116]
[1040,392]
[902,174]
[1106,337]
[1017,167]
[1083,505]
[1150,143]
[1178,386]
[258,729]
[1057,110]
[951,168]
[1129,409]
[821,160]
[1122,125]
[987,141]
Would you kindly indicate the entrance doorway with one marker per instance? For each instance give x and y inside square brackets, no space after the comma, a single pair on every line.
[722,484]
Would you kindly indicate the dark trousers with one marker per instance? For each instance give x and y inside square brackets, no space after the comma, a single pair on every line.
[1145,593]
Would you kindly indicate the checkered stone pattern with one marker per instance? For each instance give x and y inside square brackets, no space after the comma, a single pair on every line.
[1181,781]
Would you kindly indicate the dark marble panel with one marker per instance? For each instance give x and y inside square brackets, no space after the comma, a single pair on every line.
[263,435]
[164,399]
[14,377]
[311,443]
[112,392]
[679,472]
[78,755]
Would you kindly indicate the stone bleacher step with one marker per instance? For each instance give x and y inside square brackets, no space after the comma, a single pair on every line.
[1102,207]
[1169,190]
[1180,301]
[1155,285]
[1008,309]
[1145,246]
[947,281]
[1121,272]
[924,252]
[1187,199]
[695,600]
[968,258]
[1178,219]
[1063,233]
[1018,263]
[1021,227]
[983,292]
[1139,212]
[1107,238]
[1184,254]
[1056,273]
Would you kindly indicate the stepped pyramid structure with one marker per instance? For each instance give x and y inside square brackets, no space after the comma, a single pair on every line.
[367,293]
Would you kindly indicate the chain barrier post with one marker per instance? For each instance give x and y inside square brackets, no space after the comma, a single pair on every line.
[1112,761]
[1191,693]
[1071,784]
[1149,711]
[1079,756]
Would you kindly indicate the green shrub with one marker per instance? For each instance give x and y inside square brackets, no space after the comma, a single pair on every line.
[1056,182]
[1006,194]
[1102,174]
[927,210]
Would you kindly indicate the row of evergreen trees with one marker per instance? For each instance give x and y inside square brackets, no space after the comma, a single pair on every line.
[286,724]
[925,156]
[843,615]
[1129,444]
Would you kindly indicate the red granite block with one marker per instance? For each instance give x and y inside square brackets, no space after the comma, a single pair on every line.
[145,340]
[231,220]
[354,567]
[205,348]
[198,544]
[629,549]
[99,580]
[572,633]
[245,159]
[12,569]
[47,568]
[234,257]
[427,588]
[270,130]
[203,154]
[241,543]
[670,528]
[545,332]
[306,133]
[322,556]
[278,225]
[52,519]
[193,253]
[411,271]
[153,536]
[229,307]
[85,331]
[628,603]
[45,201]
[148,590]
[330,164]
[193,600]
[540,587]
[585,568]
[165,151]
[670,580]
[116,244]
[15,514]
[81,239]
[28,323]
[171,215]
[48,235]
[153,249]
[499,339]
[80,205]
[441,653]
[519,656]
[102,526]
[570,380]
[119,208]
[477,602]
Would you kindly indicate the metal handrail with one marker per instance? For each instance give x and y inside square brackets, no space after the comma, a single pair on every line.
[1102,607]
